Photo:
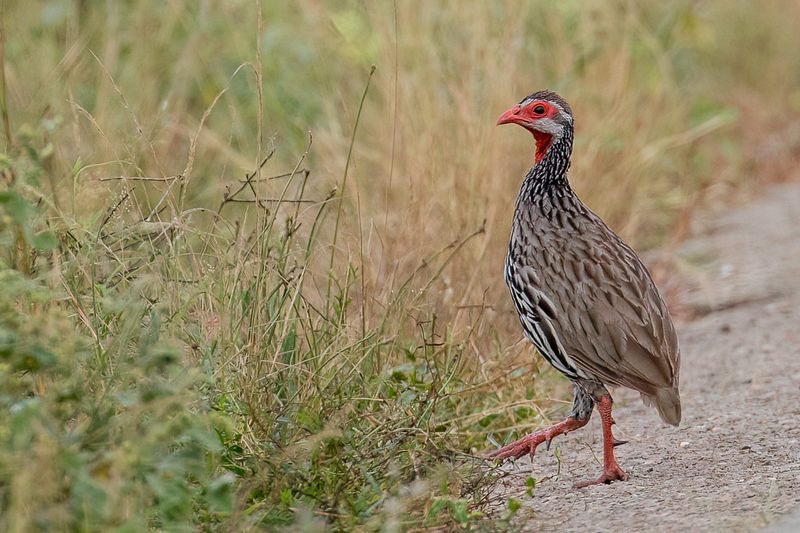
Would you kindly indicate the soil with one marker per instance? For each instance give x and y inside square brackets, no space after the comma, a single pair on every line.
[734,461]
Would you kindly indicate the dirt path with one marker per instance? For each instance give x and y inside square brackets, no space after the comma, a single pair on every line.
[734,463]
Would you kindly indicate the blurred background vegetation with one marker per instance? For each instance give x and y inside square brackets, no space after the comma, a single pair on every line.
[249,284]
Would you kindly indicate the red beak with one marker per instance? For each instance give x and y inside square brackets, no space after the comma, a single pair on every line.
[510,117]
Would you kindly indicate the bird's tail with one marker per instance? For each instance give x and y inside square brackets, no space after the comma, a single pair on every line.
[668,404]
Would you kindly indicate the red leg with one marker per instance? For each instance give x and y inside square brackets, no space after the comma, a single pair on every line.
[611,470]
[528,444]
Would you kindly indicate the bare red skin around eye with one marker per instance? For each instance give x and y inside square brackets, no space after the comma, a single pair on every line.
[523,116]
[543,140]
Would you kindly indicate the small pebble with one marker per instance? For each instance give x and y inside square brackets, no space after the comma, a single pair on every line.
[685,444]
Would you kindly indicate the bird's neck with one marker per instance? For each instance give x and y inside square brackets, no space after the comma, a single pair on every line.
[549,172]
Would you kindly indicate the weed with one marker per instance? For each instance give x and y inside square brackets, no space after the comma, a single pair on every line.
[209,322]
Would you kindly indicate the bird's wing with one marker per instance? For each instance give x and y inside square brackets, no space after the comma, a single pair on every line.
[615,324]
[537,315]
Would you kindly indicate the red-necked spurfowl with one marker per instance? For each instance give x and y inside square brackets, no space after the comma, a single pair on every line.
[583,296]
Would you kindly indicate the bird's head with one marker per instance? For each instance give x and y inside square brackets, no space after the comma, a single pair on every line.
[545,114]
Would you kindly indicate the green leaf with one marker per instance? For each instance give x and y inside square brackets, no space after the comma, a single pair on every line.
[44,241]
[207,438]
[16,207]
[288,346]
[459,510]
[486,420]
[89,496]
[35,359]
[433,512]
[519,372]
[309,419]
[8,340]
[221,492]
[530,483]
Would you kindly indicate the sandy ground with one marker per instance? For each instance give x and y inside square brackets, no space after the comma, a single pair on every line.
[734,462]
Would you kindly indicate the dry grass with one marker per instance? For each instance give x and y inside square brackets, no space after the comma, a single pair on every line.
[335,350]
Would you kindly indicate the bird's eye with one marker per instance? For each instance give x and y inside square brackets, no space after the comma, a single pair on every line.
[539,110]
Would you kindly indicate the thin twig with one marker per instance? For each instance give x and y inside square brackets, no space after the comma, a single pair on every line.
[3,100]
[247,182]
[140,178]
[187,172]
[278,200]
[344,181]
[304,171]
[394,116]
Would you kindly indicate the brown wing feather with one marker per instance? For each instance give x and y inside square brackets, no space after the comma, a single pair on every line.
[613,321]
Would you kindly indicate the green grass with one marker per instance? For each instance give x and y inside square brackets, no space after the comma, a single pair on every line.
[249,284]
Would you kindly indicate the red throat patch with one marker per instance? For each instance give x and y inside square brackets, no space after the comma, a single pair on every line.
[543,142]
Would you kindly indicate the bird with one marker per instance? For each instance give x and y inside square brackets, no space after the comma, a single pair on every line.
[584,298]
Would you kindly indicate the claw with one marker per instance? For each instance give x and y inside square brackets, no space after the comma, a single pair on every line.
[528,444]
[547,443]
[610,474]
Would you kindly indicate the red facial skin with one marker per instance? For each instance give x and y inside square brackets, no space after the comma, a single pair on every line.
[527,117]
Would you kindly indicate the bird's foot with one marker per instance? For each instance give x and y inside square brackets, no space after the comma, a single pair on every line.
[611,469]
[527,445]
[610,473]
